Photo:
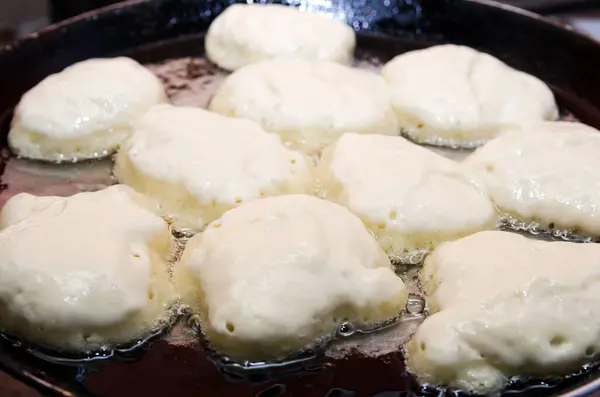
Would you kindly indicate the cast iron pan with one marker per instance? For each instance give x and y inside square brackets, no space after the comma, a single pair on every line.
[153,31]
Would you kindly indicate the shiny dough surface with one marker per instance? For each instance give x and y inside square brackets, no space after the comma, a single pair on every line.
[503,305]
[198,164]
[455,95]
[84,271]
[275,274]
[308,103]
[85,111]
[248,33]
[408,196]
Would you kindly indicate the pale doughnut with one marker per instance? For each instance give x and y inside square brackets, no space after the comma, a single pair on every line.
[83,112]
[249,33]
[408,196]
[275,274]
[504,305]
[454,95]
[198,164]
[310,104]
[547,174]
[83,272]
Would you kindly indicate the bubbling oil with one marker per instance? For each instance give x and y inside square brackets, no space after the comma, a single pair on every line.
[544,232]
[123,352]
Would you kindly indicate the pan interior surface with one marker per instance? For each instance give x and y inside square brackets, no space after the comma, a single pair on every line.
[168,36]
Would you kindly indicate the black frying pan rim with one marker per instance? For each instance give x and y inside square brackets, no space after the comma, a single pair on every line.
[128,3]
[44,386]
[530,14]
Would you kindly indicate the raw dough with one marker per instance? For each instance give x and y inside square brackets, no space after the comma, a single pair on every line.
[310,104]
[273,275]
[249,33]
[454,95]
[85,111]
[408,196]
[507,305]
[548,174]
[82,272]
[198,164]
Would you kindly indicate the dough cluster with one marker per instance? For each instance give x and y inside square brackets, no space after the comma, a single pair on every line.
[249,33]
[506,305]
[408,196]
[85,111]
[273,275]
[272,269]
[308,103]
[82,272]
[198,164]
[454,95]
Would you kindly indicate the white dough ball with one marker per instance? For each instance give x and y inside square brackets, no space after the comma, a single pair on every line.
[82,272]
[310,104]
[85,111]
[275,274]
[199,164]
[548,174]
[249,33]
[454,95]
[504,305]
[408,196]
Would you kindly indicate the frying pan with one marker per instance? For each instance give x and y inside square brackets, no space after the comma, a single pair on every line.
[151,31]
